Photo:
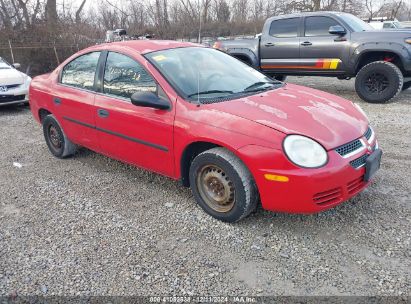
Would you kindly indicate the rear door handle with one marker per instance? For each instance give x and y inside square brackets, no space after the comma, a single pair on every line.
[305,43]
[268,44]
[102,113]
[57,101]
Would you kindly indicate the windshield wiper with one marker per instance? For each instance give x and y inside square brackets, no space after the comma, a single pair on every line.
[258,86]
[210,92]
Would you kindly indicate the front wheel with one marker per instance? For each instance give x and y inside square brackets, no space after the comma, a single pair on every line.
[222,185]
[281,78]
[406,85]
[379,82]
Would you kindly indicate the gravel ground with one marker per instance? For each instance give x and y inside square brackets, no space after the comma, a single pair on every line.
[90,225]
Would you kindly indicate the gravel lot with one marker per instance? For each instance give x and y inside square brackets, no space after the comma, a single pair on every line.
[90,225]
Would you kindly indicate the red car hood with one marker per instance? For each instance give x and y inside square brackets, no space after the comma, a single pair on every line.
[292,109]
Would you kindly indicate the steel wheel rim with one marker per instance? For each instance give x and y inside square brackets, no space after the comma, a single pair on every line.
[55,138]
[215,188]
[376,83]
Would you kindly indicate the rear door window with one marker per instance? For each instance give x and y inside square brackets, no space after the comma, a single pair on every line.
[81,71]
[285,28]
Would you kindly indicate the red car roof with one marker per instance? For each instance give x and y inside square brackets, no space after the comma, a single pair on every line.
[145,46]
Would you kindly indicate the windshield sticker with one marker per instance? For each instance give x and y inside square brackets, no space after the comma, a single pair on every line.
[159,57]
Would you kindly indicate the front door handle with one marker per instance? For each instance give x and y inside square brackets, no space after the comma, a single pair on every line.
[305,43]
[102,113]
[268,44]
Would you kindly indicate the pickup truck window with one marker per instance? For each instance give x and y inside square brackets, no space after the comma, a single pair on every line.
[80,72]
[124,76]
[285,28]
[318,26]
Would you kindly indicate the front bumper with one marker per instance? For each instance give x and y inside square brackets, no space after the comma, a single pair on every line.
[15,102]
[306,190]
[14,96]
[310,193]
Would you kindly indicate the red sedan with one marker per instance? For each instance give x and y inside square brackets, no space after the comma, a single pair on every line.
[195,114]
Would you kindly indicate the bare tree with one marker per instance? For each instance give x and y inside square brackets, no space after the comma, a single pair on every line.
[51,13]
[78,12]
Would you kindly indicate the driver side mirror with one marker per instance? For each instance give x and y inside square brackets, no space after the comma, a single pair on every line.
[337,30]
[16,65]
[149,100]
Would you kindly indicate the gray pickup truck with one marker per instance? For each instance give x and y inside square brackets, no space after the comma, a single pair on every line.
[330,44]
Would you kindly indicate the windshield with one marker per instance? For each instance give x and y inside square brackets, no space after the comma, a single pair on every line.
[202,74]
[4,64]
[355,23]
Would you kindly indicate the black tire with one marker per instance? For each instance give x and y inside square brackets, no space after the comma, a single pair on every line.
[58,143]
[379,82]
[280,77]
[406,85]
[242,187]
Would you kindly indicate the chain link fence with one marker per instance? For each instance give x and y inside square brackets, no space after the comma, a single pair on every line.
[42,55]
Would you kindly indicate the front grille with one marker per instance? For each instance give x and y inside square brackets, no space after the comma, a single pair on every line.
[10,86]
[328,197]
[368,133]
[350,147]
[355,185]
[8,98]
[359,162]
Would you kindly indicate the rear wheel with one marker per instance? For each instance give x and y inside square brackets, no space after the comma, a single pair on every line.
[280,77]
[222,185]
[379,82]
[58,143]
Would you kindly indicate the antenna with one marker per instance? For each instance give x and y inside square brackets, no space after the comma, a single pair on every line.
[198,86]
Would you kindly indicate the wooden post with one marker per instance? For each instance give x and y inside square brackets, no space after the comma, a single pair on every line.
[11,52]
[55,53]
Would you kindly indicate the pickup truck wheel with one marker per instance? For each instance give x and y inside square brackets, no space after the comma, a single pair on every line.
[58,143]
[280,77]
[222,185]
[406,85]
[379,82]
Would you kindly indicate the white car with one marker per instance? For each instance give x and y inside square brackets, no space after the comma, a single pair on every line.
[14,85]
[382,25]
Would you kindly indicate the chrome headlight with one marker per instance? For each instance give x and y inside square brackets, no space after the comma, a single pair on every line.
[304,151]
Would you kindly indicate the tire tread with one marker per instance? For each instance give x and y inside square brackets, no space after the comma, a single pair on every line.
[250,187]
[391,66]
